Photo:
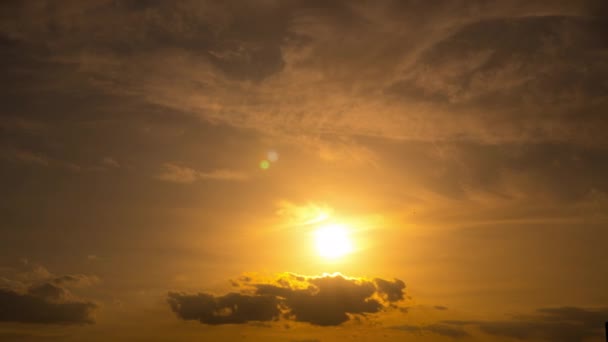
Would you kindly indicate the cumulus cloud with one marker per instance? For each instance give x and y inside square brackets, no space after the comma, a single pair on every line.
[42,304]
[561,324]
[182,174]
[37,296]
[326,300]
[232,308]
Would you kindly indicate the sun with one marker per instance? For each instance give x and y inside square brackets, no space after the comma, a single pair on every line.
[332,241]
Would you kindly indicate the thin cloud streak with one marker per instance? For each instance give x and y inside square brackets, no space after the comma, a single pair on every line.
[182,174]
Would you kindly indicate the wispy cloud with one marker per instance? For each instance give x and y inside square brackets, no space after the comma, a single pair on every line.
[182,174]
[567,324]
[303,214]
[37,159]
[110,162]
[507,72]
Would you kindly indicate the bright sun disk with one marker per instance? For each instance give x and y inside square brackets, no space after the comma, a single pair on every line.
[332,241]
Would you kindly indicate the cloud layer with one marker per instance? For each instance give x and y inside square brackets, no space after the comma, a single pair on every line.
[474,70]
[326,300]
[561,324]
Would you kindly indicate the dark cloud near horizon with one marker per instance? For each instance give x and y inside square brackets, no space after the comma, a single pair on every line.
[56,289]
[29,293]
[37,307]
[325,301]
[232,308]
[45,303]
[561,324]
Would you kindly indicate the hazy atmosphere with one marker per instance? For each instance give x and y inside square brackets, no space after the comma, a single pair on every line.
[304,170]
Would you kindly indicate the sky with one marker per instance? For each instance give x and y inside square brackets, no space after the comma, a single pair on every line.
[303,170]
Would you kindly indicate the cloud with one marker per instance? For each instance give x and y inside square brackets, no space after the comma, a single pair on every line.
[34,295]
[110,162]
[303,214]
[181,174]
[48,291]
[38,159]
[75,280]
[533,76]
[561,324]
[326,300]
[391,290]
[519,82]
[40,306]
[517,71]
[233,308]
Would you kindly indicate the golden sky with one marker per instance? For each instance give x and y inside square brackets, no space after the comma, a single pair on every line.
[303,170]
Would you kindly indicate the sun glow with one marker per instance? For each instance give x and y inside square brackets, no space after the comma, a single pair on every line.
[333,241]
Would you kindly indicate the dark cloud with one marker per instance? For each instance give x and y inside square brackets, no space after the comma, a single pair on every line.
[233,308]
[391,290]
[44,304]
[56,289]
[48,291]
[325,301]
[29,293]
[563,324]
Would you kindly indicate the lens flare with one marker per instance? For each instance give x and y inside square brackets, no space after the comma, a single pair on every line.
[264,164]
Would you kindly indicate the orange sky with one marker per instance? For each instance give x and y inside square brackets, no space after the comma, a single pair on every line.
[168,170]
